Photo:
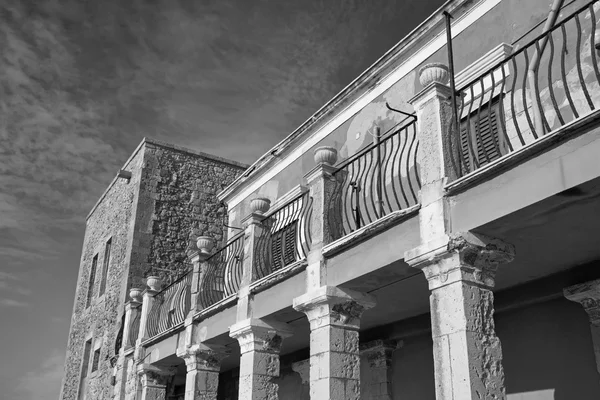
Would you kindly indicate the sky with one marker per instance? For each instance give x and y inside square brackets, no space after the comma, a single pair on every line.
[82,82]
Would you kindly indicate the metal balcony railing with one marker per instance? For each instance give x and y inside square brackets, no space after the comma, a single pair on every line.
[376,181]
[286,238]
[224,273]
[170,306]
[547,83]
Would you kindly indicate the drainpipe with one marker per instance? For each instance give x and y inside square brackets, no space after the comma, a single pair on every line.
[535,62]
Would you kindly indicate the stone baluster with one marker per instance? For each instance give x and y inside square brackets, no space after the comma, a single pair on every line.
[260,344]
[203,363]
[467,354]
[334,316]
[588,295]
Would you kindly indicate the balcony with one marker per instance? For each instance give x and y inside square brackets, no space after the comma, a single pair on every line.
[515,162]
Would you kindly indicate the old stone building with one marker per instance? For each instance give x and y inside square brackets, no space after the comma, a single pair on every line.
[431,232]
[143,225]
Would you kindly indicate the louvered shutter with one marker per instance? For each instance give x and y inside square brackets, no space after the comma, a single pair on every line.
[486,134]
[464,147]
[289,255]
[276,250]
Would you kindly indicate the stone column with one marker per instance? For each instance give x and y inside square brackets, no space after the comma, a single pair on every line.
[322,185]
[588,295]
[203,364]
[198,259]
[153,381]
[461,273]
[437,147]
[132,311]
[253,229]
[154,286]
[260,343]
[378,355]
[334,317]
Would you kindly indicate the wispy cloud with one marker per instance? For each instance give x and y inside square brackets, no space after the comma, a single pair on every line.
[12,303]
[42,382]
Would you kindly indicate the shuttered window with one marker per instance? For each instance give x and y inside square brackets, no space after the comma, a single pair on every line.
[105,265]
[486,142]
[283,246]
[92,279]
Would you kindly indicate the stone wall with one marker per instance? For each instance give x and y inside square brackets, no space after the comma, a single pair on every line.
[177,204]
[112,217]
[152,221]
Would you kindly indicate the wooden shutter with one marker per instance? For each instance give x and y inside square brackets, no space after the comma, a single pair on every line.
[484,132]
[277,250]
[289,244]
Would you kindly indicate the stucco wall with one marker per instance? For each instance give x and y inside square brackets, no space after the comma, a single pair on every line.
[505,23]
[153,219]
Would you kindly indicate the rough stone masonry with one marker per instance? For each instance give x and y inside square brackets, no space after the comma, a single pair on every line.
[151,220]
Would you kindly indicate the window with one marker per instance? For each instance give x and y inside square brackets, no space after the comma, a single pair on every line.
[283,247]
[483,129]
[84,369]
[105,264]
[96,360]
[90,292]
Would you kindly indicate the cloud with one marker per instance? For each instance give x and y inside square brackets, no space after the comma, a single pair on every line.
[12,303]
[43,382]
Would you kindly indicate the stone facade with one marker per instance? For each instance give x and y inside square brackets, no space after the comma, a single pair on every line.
[151,219]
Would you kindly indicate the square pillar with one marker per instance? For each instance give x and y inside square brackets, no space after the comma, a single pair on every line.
[588,295]
[334,317]
[199,268]
[378,355]
[203,364]
[467,354]
[153,381]
[260,344]
[322,186]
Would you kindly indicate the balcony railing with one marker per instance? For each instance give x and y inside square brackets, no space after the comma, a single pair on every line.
[286,238]
[224,273]
[378,180]
[547,83]
[170,306]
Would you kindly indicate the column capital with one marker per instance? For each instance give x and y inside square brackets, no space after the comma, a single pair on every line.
[320,171]
[588,295]
[152,375]
[465,256]
[260,335]
[254,218]
[202,357]
[434,90]
[379,352]
[329,305]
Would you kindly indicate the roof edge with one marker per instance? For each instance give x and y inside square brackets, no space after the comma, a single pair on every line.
[159,143]
[353,88]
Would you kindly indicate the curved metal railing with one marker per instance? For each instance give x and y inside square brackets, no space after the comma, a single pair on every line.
[286,236]
[381,178]
[224,273]
[170,306]
[134,329]
[547,83]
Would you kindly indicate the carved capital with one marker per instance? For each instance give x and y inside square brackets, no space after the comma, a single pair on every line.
[152,375]
[466,257]
[201,357]
[378,353]
[334,306]
[260,335]
[588,295]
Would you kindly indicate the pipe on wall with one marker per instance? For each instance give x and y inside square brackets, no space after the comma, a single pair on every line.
[535,62]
